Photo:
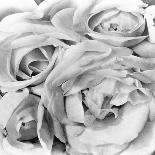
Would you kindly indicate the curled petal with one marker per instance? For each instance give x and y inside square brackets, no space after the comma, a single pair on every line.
[34,80]
[63,20]
[137,62]
[81,15]
[118,41]
[78,55]
[108,21]
[103,132]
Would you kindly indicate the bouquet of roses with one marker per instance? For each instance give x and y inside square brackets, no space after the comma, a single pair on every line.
[77,77]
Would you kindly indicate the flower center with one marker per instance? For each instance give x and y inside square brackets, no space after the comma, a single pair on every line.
[120,22]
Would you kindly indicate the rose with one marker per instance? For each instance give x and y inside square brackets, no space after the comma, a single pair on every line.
[88,20]
[101,100]
[26,125]
[116,24]
[30,47]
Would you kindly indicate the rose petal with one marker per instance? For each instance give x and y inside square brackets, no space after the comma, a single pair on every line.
[45,129]
[74,108]
[152,109]
[118,41]
[137,62]
[78,55]
[56,106]
[9,149]
[24,113]
[145,49]
[37,90]
[102,5]
[149,16]
[49,7]
[105,149]
[144,144]
[133,117]
[34,80]
[81,15]
[5,56]
[67,26]
[10,101]
[58,127]
[8,7]
[17,18]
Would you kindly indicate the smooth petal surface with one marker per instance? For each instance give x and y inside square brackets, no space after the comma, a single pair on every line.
[5,56]
[9,102]
[144,144]
[145,49]
[8,7]
[74,108]
[106,4]
[9,149]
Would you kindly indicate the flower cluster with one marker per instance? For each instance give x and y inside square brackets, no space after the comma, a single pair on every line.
[77,77]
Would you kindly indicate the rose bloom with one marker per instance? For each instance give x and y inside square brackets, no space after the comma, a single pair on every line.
[30,46]
[116,23]
[26,126]
[101,101]
[109,21]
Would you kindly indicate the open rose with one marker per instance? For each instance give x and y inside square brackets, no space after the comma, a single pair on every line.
[115,24]
[101,101]
[26,126]
[103,20]
[30,46]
